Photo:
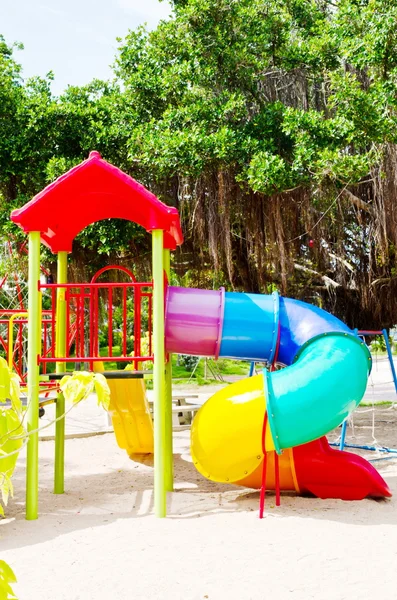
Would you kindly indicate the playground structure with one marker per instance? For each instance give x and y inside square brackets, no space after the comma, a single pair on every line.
[241,431]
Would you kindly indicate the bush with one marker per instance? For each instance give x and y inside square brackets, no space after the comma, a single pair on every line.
[189,362]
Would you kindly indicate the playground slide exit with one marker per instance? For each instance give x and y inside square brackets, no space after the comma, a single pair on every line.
[325,380]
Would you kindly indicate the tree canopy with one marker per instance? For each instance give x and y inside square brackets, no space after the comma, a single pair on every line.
[270,124]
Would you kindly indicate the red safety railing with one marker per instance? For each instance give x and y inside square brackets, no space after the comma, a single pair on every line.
[48,340]
[84,322]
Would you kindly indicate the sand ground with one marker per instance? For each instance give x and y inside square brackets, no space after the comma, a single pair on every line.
[100,539]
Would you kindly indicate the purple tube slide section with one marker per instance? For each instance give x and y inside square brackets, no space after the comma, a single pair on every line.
[194,321]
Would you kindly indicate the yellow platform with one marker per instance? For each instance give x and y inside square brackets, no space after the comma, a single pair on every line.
[131,418]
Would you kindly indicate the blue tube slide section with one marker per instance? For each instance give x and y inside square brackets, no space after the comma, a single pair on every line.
[251,324]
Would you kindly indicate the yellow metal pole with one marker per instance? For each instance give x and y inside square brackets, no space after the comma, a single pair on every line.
[34,346]
[159,404]
[169,465]
[60,351]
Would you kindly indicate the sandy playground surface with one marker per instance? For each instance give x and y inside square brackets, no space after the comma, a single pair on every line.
[100,539]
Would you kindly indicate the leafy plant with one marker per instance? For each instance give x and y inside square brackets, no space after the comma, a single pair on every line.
[189,362]
[76,387]
[7,577]
[11,430]
[11,441]
[81,384]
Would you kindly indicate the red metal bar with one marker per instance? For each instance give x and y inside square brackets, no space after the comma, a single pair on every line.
[96,324]
[68,328]
[264,468]
[124,350]
[77,324]
[82,336]
[76,359]
[16,351]
[91,329]
[150,298]
[369,332]
[277,478]
[113,268]
[53,324]
[138,308]
[45,346]
[20,343]
[110,321]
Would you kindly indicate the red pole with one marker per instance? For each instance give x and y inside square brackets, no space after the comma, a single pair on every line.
[68,332]
[110,321]
[138,325]
[91,327]
[150,323]
[277,478]
[264,467]
[20,345]
[96,323]
[124,322]
[81,308]
[53,328]
[44,323]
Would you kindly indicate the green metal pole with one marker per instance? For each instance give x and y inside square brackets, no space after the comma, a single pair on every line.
[34,342]
[159,404]
[60,350]
[169,466]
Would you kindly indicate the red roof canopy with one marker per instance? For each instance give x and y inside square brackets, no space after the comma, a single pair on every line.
[92,191]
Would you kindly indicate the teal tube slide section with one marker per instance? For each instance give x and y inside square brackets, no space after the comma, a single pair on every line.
[316,393]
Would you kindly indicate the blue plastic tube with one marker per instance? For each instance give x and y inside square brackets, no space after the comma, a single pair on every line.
[250,326]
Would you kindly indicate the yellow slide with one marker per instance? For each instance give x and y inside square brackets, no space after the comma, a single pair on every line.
[129,409]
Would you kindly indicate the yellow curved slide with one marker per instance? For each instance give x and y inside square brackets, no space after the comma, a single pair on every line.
[226,436]
[129,409]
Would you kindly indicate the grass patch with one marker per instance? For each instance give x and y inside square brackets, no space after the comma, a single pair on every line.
[208,372]
[377,403]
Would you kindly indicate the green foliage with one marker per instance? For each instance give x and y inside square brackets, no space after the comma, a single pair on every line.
[182,369]
[7,577]
[378,344]
[223,110]
[189,362]
[81,384]
[12,432]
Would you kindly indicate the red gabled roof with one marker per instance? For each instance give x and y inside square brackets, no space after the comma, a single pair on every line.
[92,191]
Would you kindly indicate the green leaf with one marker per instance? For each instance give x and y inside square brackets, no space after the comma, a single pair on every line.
[102,390]
[77,387]
[81,384]
[7,577]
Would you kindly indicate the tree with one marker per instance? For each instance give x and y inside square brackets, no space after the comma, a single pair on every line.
[255,120]
[270,124]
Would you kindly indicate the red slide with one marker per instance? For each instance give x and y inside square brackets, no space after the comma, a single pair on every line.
[329,473]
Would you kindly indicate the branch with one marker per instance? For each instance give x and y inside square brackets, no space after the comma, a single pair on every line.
[342,260]
[382,280]
[361,204]
[327,280]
